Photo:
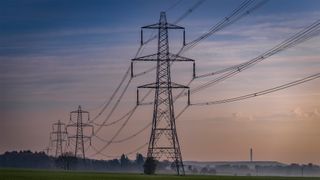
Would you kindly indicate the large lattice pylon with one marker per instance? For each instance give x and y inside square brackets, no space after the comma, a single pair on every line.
[79,136]
[163,141]
[58,137]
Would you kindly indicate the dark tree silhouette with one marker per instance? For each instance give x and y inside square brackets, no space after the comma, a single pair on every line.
[150,166]
[124,161]
[139,159]
[66,161]
[204,170]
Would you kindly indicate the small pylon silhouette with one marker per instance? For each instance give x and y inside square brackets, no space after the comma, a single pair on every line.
[59,137]
[79,136]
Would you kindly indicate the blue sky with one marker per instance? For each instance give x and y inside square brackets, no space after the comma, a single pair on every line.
[55,55]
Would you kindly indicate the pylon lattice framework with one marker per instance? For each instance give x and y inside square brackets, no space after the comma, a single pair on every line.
[59,133]
[79,136]
[163,139]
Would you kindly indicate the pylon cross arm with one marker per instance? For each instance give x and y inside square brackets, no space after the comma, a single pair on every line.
[75,136]
[77,111]
[154,57]
[155,85]
[159,25]
[58,140]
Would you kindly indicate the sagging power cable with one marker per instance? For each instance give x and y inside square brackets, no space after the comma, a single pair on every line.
[244,9]
[108,101]
[114,107]
[117,132]
[299,37]
[260,93]
[97,151]
[302,36]
[126,114]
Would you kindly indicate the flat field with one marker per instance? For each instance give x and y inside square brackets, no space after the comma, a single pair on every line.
[20,174]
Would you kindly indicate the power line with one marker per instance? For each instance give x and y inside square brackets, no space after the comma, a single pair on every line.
[252,95]
[307,33]
[116,121]
[132,136]
[98,152]
[220,24]
[114,106]
[245,8]
[299,37]
[127,114]
[137,149]
[190,10]
[260,93]
[126,138]
[117,133]
[107,103]
[127,153]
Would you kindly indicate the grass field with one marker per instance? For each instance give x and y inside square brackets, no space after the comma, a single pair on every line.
[18,174]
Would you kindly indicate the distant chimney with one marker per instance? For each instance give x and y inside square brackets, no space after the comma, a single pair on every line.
[251,155]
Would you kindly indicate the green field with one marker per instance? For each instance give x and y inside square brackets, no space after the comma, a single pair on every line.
[13,174]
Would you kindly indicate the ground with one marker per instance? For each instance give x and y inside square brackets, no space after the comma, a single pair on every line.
[19,174]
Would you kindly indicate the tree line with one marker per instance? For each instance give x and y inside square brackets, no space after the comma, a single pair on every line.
[67,161]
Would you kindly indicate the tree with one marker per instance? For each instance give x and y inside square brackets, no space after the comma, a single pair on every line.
[124,161]
[66,161]
[150,165]
[139,160]
[204,170]
[212,171]
[113,164]
[194,170]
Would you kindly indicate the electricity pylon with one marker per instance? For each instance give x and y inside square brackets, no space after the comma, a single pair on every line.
[59,133]
[164,139]
[79,136]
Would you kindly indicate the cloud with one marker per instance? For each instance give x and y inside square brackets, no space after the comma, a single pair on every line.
[301,113]
[239,116]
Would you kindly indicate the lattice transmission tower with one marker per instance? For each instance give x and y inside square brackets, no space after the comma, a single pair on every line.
[59,137]
[164,141]
[76,122]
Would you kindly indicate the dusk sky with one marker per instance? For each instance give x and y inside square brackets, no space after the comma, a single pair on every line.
[56,55]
